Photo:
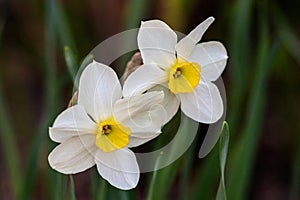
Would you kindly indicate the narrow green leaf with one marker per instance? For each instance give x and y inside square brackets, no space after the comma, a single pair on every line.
[63,27]
[289,38]
[185,178]
[206,177]
[136,12]
[9,146]
[240,49]
[295,191]
[99,189]
[60,186]
[49,103]
[71,62]
[243,157]
[153,180]
[223,149]
[72,195]
[137,9]
[164,178]
[8,140]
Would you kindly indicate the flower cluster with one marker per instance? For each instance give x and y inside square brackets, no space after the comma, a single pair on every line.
[108,119]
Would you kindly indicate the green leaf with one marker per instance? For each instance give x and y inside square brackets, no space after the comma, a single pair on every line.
[63,28]
[223,149]
[99,186]
[295,191]
[153,180]
[186,172]
[8,140]
[71,62]
[60,185]
[244,154]
[50,103]
[289,37]
[9,146]
[240,49]
[206,177]
[163,179]
[72,195]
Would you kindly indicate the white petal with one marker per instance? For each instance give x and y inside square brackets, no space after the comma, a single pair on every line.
[72,122]
[99,88]
[185,46]
[146,122]
[212,57]
[156,41]
[204,104]
[141,113]
[129,107]
[145,77]
[146,125]
[119,168]
[170,102]
[74,155]
[137,141]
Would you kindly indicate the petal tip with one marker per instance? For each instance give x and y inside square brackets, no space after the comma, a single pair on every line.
[211,18]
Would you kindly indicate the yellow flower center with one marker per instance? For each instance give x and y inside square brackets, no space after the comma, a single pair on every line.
[111,135]
[184,77]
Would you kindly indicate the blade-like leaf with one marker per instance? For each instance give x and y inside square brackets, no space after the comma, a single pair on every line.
[50,103]
[71,62]
[72,195]
[244,155]
[223,149]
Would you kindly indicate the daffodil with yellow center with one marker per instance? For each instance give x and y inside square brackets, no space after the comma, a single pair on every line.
[185,71]
[101,127]
[183,77]
[111,135]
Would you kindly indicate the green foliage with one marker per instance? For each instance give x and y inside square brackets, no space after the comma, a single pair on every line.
[72,195]
[223,150]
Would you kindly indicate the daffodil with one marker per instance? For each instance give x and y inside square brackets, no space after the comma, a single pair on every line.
[184,70]
[101,127]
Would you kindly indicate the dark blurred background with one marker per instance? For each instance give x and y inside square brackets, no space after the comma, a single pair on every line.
[261,79]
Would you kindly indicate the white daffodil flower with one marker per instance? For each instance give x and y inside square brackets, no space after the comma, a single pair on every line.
[184,70]
[101,127]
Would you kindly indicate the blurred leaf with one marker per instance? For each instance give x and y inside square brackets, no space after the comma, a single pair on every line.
[63,28]
[243,157]
[287,35]
[295,191]
[60,186]
[71,62]
[97,189]
[163,181]
[163,178]
[185,178]
[206,177]
[8,140]
[49,104]
[103,190]
[72,195]
[223,149]
[10,150]
[136,13]
[241,62]
[153,180]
